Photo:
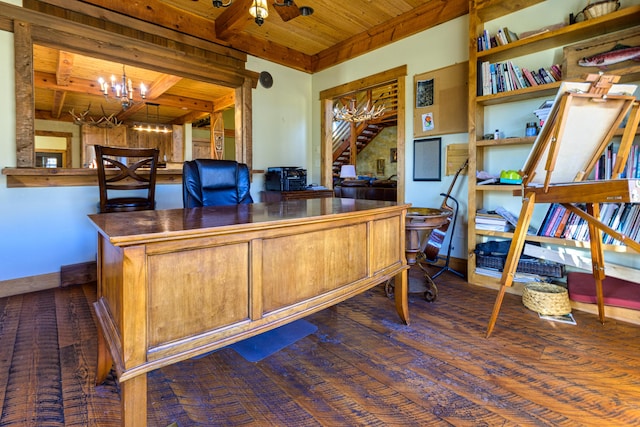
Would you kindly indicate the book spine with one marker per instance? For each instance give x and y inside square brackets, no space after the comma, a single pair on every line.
[545,220]
[562,224]
[529,77]
[556,221]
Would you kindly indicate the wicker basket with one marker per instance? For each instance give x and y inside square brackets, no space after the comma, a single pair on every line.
[546,299]
[600,8]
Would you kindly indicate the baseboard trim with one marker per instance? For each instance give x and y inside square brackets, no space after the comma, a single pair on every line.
[25,285]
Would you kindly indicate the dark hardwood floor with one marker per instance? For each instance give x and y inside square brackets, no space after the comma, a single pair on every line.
[361,368]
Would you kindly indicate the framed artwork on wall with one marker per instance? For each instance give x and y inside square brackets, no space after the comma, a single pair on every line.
[441,101]
[426,159]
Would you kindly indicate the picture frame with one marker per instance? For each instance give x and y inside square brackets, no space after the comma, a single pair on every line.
[393,155]
[427,159]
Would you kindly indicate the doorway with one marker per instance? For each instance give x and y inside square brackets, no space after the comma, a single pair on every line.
[328,98]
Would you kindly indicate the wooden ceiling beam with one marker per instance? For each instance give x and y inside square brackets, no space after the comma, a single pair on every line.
[233,19]
[64,67]
[90,87]
[160,13]
[58,102]
[428,15]
[162,84]
[273,52]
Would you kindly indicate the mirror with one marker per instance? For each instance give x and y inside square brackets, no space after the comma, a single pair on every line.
[69,96]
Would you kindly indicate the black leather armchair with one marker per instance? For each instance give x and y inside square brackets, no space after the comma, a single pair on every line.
[208,182]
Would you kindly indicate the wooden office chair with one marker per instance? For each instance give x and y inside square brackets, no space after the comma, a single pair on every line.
[129,169]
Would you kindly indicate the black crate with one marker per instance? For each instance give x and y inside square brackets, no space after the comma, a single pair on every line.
[530,266]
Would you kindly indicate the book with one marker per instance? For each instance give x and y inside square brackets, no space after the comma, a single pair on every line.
[510,35]
[564,318]
[493,227]
[562,224]
[529,77]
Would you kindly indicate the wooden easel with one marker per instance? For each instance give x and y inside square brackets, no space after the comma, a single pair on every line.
[583,119]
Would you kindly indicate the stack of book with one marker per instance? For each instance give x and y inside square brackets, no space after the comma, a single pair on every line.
[491,221]
[543,111]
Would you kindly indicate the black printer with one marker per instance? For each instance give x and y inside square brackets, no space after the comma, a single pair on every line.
[285,179]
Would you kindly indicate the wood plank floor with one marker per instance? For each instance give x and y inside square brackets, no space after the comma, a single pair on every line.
[361,368]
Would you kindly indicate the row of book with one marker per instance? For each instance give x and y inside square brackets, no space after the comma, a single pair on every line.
[607,160]
[621,217]
[490,220]
[502,37]
[506,76]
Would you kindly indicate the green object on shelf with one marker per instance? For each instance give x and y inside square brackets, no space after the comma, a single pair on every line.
[510,177]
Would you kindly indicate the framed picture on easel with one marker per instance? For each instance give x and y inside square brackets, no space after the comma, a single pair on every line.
[426,159]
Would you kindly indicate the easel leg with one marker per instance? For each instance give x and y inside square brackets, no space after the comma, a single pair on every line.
[401,291]
[597,257]
[511,263]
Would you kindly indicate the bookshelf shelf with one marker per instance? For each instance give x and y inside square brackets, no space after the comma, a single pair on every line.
[554,241]
[481,156]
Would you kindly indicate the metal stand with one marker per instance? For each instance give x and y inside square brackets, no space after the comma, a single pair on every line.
[448,257]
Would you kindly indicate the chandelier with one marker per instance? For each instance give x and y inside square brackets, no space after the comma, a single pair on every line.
[122,91]
[259,9]
[355,114]
[157,127]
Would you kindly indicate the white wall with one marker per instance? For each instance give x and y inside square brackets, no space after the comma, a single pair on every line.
[281,121]
[436,48]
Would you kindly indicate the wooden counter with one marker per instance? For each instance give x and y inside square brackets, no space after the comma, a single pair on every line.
[279,196]
[174,284]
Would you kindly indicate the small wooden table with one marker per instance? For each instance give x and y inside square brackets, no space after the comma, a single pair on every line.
[174,284]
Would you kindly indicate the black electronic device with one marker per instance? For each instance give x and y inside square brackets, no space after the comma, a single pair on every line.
[285,179]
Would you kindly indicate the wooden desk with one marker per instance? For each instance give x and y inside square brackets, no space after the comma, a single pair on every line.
[174,284]
[279,196]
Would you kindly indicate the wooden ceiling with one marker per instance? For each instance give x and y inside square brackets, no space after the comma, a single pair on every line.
[334,33]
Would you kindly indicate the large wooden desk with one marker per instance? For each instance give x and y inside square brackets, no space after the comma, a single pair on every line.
[175,284]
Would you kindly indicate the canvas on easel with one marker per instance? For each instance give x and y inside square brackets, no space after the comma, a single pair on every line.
[583,119]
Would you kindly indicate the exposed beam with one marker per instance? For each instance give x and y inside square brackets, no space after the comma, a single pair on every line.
[58,103]
[64,67]
[233,19]
[160,13]
[428,15]
[47,81]
[271,51]
[155,90]
[224,102]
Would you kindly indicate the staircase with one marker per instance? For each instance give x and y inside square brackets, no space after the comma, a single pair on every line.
[365,131]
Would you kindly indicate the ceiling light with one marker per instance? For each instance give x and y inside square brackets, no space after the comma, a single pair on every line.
[122,91]
[147,127]
[259,11]
[355,114]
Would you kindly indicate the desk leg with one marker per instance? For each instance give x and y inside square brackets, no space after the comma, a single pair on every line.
[401,292]
[133,401]
[105,362]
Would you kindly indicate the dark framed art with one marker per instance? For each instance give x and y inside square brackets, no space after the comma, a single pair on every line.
[426,159]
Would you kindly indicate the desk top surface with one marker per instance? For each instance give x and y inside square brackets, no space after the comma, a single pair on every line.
[125,228]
